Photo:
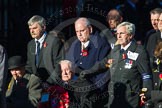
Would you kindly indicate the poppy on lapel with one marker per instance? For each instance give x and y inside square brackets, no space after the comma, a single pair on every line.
[45,44]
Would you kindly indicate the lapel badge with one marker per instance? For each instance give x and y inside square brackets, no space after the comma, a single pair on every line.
[45,44]
[160,76]
[84,52]
[124,56]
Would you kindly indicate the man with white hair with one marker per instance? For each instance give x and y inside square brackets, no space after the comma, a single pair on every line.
[129,68]
[67,70]
[78,94]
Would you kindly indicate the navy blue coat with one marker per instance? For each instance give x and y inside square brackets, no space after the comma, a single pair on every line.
[98,48]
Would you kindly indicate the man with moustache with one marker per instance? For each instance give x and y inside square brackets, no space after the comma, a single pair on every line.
[43,51]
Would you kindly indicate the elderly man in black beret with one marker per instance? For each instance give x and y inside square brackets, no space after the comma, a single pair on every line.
[24,89]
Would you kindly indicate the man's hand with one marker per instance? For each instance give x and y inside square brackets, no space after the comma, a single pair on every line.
[109,63]
[142,95]
[143,98]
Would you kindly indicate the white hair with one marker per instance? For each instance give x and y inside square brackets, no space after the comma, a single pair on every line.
[130,27]
[69,63]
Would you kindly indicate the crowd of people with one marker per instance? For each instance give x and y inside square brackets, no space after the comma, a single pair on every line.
[110,69]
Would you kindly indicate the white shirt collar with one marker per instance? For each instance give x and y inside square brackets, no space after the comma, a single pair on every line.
[85,44]
[126,47]
[41,40]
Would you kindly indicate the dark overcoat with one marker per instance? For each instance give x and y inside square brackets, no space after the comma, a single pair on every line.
[26,93]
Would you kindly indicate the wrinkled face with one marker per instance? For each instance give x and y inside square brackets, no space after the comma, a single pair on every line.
[17,73]
[66,72]
[36,30]
[82,32]
[160,23]
[122,36]
[155,20]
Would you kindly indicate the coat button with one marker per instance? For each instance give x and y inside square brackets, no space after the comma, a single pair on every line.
[112,96]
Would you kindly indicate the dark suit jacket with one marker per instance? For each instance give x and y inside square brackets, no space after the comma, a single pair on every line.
[50,55]
[25,94]
[151,44]
[148,34]
[109,36]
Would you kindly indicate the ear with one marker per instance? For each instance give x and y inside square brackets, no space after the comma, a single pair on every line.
[121,19]
[131,36]
[43,28]
[90,29]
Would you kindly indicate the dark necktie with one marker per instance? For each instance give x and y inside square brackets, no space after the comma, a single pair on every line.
[123,54]
[37,53]
[122,51]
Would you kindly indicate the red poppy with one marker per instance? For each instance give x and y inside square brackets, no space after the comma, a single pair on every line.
[62,95]
[44,44]
[160,76]
[124,56]
[84,52]
[59,98]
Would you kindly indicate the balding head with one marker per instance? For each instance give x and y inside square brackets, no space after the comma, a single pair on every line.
[83,29]
[83,21]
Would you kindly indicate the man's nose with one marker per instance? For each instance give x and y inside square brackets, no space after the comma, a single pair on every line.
[79,34]
[119,35]
[66,73]
[31,31]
